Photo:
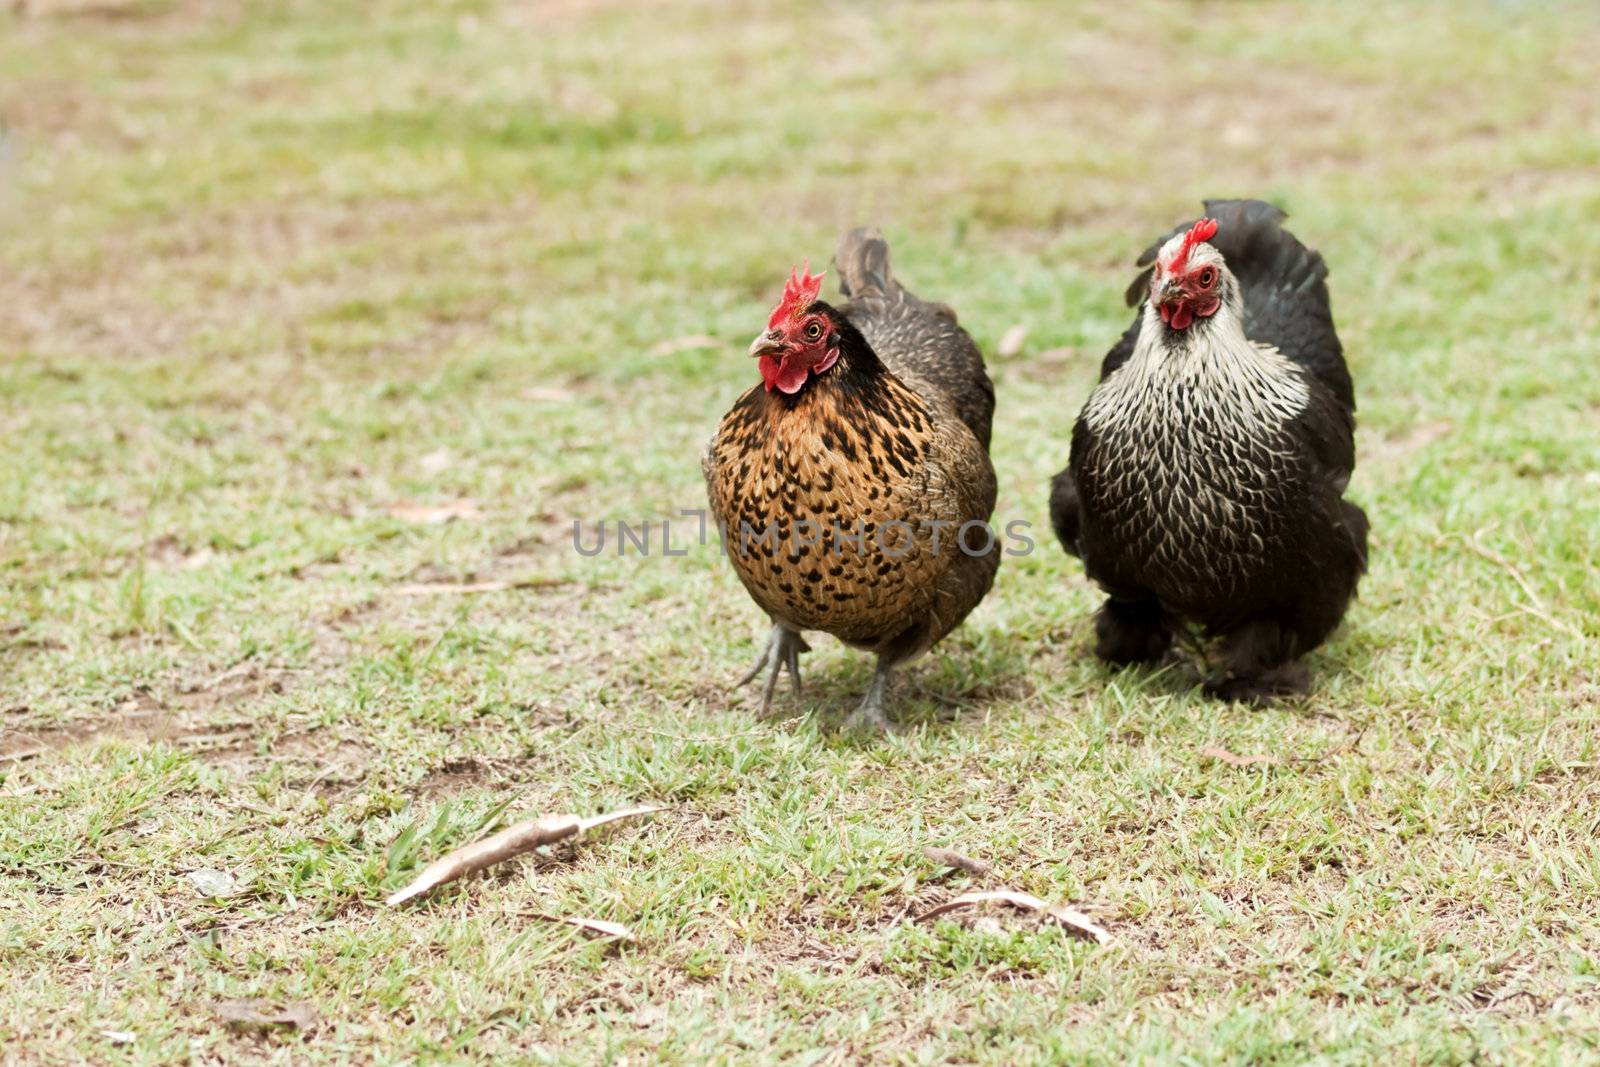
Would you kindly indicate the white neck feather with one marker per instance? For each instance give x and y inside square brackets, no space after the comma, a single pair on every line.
[1210,369]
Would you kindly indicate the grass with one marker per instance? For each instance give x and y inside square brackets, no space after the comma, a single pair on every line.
[277,276]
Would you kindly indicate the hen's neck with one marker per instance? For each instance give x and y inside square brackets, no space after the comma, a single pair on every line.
[858,370]
[1210,372]
[1215,340]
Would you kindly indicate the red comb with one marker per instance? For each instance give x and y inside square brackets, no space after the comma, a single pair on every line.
[1203,230]
[799,293]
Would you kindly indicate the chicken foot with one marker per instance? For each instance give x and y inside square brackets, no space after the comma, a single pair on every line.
[783,650]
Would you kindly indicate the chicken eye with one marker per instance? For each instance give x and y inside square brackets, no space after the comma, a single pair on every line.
[1208,277]
[813,331]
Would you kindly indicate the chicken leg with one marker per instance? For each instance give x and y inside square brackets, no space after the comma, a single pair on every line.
[783,650]
[869,714]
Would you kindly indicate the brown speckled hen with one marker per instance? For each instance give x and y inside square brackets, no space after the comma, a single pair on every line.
[853,484]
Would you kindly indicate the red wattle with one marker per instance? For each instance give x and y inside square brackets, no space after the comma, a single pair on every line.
[790,373]
[786,376]
[1182,315]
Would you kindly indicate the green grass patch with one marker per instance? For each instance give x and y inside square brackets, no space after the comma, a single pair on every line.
[281,278]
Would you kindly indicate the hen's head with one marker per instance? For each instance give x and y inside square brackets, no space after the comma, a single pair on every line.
[801,338]
[1189,276]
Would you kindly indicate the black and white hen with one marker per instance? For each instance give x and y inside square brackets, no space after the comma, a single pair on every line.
[1206,479]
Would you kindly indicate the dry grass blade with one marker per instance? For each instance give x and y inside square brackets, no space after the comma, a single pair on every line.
[551,393]
[1069,919]
[949,857]
[433,514]
[437,588]
[1535,606]
[1337,750]
[513,841]
[1222,755]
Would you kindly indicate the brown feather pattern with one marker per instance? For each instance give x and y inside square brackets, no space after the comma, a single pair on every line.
[873,464]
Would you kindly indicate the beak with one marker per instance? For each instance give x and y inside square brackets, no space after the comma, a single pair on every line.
[1168,290]
[766,344]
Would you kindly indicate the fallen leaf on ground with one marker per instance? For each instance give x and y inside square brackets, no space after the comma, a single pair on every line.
[600,926]
[513,841]
[594,822]
[214,883]
[259,1015]
[432,514]
[1222,755]
[1011,341]
[682,344]
[951,858]
[1241,135]
[437,460]
[198,558]
[1071,920]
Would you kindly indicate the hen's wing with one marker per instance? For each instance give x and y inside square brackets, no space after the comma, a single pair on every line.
[1328,427]
[918,340]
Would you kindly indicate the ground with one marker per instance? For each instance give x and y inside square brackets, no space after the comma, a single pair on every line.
[322,323]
